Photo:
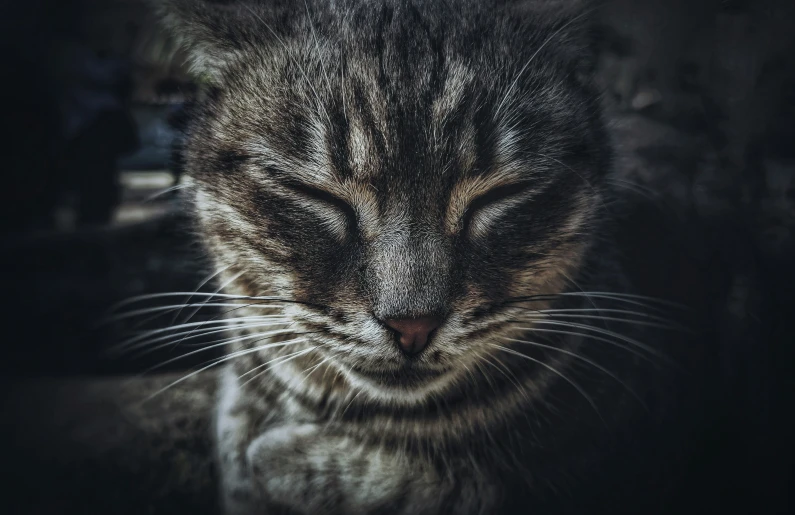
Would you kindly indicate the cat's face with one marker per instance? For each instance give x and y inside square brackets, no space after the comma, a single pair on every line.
[404,172]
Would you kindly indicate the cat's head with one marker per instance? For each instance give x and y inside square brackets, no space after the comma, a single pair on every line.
[404,170]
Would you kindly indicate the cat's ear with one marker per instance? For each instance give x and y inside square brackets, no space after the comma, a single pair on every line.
[214,33]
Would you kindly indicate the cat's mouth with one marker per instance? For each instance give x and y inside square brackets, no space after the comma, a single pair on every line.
[409,374]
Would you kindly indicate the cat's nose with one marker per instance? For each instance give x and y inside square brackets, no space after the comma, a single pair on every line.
[413,333]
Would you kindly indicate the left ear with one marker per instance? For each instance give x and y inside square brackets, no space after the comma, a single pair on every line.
[215,33]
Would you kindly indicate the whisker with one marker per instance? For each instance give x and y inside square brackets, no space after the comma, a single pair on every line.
[350,403]
[260,366]
[486,376]
[665,323]
[591,337]
[607,310]
[264,336]
[225,323]
[623,296]
[589,296]
[166,309]
[173,339]
[510,376]
[284,359]
[153,296]
[184,378]
[599,330]
[559,374]
[222,314]
[229,296]
[313,368]
[160,193]
[203,283]
[610,319]
[220,321]
[228,341]
[585,360]
[206,300]
[576,285]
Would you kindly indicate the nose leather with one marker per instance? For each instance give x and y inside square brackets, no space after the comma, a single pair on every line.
[413,333]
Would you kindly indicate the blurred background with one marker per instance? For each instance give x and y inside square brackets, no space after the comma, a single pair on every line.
[700,97]
[91,214]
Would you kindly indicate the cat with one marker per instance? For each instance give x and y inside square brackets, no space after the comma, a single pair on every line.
[409,209]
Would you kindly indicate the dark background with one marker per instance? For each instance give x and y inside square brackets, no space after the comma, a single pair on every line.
[700,96]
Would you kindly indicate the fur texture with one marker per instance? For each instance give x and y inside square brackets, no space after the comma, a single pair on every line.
[357,162]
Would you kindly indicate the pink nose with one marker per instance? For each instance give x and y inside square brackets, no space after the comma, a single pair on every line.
[413,332]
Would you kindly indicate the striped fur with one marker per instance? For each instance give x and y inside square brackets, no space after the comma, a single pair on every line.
[381,159]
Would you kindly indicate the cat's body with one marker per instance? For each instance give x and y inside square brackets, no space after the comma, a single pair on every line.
[408,202]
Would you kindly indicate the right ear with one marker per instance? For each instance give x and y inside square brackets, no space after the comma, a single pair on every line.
[215,33]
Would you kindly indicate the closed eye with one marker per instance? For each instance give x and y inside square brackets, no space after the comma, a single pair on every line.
[493,196]
[325,197]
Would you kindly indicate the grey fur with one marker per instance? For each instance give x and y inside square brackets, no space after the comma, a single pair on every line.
[385,159]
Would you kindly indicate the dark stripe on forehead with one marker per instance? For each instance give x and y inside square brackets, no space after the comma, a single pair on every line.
[384,19]
[434,37]
[288,131]
[337,137]
[485,140]
[455,127]
[368,118]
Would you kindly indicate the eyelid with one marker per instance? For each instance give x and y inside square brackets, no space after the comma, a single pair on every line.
[323,196]
[493,196]
[496,194]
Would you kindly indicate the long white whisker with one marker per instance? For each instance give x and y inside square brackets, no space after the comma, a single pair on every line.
[166,309]
[618,336]
[486,376]
[201,285]
[220,321]
[206,300]
[548,315]
[508,375]
[284,359]
[350,403]
[581,358]
[313,368]
[624,296]
[224,322]
[152,296]
[239,306]
[229,341]
[558,373]
[159,194]
[606,310]
[591,337]
[229,357]
[175,338]
[605,332]
[572,281]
